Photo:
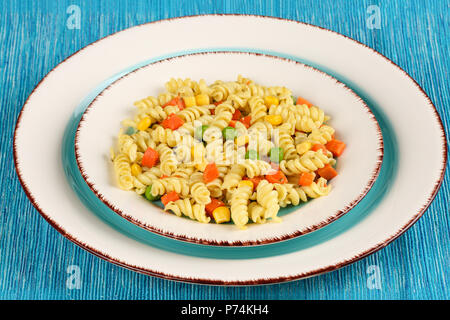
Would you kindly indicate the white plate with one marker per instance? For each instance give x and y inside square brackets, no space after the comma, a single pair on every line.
[354,123]
[408,113]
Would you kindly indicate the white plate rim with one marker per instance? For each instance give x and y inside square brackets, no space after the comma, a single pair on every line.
[380,245]
[257,241]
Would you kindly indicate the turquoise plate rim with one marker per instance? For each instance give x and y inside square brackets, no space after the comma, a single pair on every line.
[283,211]
[350,219]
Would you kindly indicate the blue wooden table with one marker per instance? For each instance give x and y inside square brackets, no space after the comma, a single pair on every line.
[35,258]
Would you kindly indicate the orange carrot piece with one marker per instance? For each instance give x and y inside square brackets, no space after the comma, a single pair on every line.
[306,179]
[237,115]
[172,122]
[246,121]
[211,172]
[256,181]
[327,172]
[301,101]
[318,147]
[150,158]
[277,177]
[177,101]
[232,124]
[215,203]
[336,147]
[169,197]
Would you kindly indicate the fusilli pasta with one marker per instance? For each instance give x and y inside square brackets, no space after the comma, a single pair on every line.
[229,151]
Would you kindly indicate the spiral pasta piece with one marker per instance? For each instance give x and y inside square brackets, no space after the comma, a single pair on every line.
[239,100]
[262,128]
[221,90]
[145,179]
[193,113]
[258,109]
[232,178]
[305,124]
[224,113]
[308,162]
[277,91]
[189,127]
[256,212]
[315,190]
[238,205]
[186,207]
[288,115]
[147,103]
[167,158]
[156,114]
[200,193]
[267,197]
[287,143]
[322,135]
[143,141]
[123,171]
[212,134]
[182,86]
[183,172]
[165,97]
[167,136]
[198,189]
[165,185]
[287,194]
[255,168]
[317,115]
[215,188]
[128,146]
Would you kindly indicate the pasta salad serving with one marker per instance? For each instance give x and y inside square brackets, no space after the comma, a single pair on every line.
[231,151]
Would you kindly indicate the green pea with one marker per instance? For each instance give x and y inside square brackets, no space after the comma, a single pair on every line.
[130,131]
[294,100]
[200,131]
[229,133]
[276,154]
[148,194]
[252,155]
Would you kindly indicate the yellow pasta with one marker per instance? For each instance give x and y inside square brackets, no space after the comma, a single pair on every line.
[234,144]
[186,207]
[310,161]
[239,205]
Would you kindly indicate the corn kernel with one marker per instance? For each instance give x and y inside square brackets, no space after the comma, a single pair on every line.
[202,99]
[144,123]
[274,119]
[189,101]
[136,169]
[242,140]
[201,166]
[303,147]
[271,100]
[246,183]
[221,214]
[198,155]
[198,152]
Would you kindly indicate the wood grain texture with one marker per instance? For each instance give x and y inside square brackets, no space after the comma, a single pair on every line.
[34,257]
